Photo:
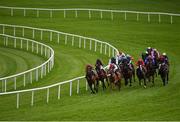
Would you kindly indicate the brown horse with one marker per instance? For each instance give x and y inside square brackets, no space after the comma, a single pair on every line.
[164,73]
[127,73]
[114,78]
[141,74]
[150,71]
[92,78]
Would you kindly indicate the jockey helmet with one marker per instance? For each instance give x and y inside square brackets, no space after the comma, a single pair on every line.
[164,54]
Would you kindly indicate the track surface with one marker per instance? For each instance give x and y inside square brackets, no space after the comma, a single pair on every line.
[135,103]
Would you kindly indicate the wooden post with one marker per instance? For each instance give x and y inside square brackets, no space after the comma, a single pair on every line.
[84,43]
[171,19]
[70,90]
[76,15]
[14,83]
[47,95]
[12,12]
[89,14]
[137,16]
[32,98]
[125,17]
[59,92]
[148,17]
[79,42]
[24,12]
[72,40]
[65,39]
[111,15]
[50,13]
[37,15]
[17,106]
[24,80]
[101,14]
[95,46]
[90,46]
[159,18]
[78,87]
[64,13]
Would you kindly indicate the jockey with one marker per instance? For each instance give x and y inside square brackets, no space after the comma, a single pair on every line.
[144,55]
[113,67]
[129,58]
[99,65]
[149,58]
[149,50]
[112,60]
[119,57]
[164,59]
[140,64]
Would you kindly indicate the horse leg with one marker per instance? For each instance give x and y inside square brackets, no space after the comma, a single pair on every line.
[139,81]
[103,84]
[144,82]
[167,77]
[97,85]
[164,81]
[119,84]
[107,81]
[90,85]
[153,80]
[130,82]
[134,76]
[126,82]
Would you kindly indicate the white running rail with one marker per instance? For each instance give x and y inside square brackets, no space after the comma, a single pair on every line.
[36,47]
[89,43]
[89,11]
[107,47]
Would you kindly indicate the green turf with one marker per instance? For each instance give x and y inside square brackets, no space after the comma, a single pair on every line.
[136,103]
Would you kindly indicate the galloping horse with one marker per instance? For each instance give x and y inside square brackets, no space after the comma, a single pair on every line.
[91,78]
[101,76]
[150,71]
[164,73]
[141,74]
[114,78]
[127,73]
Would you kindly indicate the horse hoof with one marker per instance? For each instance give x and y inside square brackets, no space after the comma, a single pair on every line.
[130,85]
[144,86]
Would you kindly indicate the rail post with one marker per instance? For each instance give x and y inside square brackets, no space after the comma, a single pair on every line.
[78,86]
[70,90]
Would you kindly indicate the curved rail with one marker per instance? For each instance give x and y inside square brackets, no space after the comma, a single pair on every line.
[112,50]
[45,49]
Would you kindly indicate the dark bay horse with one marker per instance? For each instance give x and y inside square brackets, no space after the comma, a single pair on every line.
[151,70]
[141,74]
[102,75]
[92,78]
[127,74]
[164,73]
[114,78]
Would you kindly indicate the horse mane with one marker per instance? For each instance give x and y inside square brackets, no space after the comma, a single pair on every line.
[87,66]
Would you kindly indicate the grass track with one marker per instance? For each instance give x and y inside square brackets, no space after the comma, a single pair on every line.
[157,103]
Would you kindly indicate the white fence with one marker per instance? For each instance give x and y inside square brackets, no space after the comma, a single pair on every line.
[89,12]
[36,47]
[105,48]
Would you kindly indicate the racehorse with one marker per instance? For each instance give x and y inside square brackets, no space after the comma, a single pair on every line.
[150,71]
[127,73]
[141,74]
[164,73]
[102,75]
[92,78]
[114,78]
[133,72]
